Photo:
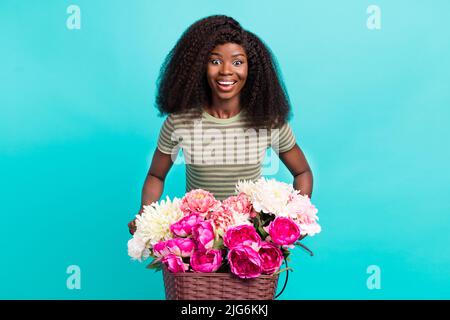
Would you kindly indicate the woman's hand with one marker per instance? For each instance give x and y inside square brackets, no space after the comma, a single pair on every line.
[132,226]
[132,223]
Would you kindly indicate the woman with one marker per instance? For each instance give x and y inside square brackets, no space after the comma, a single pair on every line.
[222,81]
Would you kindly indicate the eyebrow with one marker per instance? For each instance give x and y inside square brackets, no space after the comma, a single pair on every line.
[234,55]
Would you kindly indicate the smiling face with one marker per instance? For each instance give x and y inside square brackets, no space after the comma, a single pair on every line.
[227,71]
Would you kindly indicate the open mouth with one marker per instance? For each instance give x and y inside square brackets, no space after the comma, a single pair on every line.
[226,85]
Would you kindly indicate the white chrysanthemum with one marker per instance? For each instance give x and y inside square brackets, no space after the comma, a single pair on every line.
[245,186]
[271,196]
[153,225]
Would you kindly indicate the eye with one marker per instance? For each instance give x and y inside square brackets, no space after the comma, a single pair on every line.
[238,62]
[215,61]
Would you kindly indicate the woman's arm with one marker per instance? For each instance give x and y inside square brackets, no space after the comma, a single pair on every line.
[295,161]
[154,182]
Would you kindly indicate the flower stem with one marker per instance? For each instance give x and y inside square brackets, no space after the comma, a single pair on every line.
[305,248]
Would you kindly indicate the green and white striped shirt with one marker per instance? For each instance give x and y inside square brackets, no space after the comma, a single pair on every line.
[220,152]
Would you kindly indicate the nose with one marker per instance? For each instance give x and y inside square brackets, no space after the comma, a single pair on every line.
[226,69]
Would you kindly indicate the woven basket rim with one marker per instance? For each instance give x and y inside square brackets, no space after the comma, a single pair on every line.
[214,274]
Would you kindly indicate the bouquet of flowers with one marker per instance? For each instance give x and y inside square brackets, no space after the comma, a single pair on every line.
[248,234]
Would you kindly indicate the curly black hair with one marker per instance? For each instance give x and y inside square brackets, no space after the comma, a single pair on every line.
[182,83]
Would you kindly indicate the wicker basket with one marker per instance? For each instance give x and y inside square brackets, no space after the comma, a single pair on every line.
[217,286]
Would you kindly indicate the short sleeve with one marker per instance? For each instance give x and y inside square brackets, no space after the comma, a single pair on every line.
[282,139]
[166,144]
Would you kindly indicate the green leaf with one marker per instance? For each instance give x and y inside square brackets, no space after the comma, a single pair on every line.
[155,265]
[282,270]
[303,237]
[218,244]
[257,222]
[262,232]
[267,218]
[304,248]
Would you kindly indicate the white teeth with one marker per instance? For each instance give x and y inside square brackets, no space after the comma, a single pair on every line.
[226,83]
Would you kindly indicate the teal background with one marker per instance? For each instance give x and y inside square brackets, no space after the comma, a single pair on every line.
[78,128]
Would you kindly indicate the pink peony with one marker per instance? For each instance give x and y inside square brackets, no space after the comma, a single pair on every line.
[245,262]
[182,247]
[206,260]
[222,218]
[242,235]
[198,201]
[175,263]
[283,231]
[160,249]
[240,204]
[183,227]
[304,213]
[271,258]
[203,235]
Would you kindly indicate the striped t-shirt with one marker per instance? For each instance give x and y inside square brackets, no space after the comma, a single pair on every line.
[220,152]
